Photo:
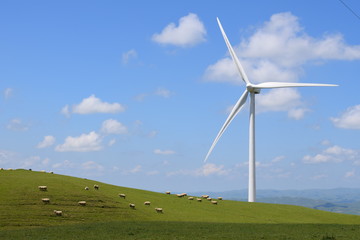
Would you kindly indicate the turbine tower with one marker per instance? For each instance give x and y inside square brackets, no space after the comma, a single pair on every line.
[251,89]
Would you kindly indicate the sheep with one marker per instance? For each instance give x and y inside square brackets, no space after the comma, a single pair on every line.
[96,187]
[1,168]
[205,196]
[82,203]
[190,198]
[42,188]
[220,198]
[86,188]
[214,202]
[167,192]
[30,169]
[159,210]
[181,195]
[122,195]
[132,205]
[58,213]
[147,203]
[45,200]
[199,199]
[43,171]
[52,172]
[209,198]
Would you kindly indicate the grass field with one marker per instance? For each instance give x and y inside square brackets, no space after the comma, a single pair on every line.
[107,216]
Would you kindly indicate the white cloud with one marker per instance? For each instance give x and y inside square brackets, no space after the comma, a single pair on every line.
[211,169]
[8,93]
[325,142]
[277,51]
[320,176]
[163,92]
[224,70]
[65,110]
[6,156]
[280,99]
[66,164]
[152,173]
[278,159]
[333,154]
[112,142]
[91,105]
[35,162]
[152,134]
[48,141]
[83,143]
[285,42]
[190,31]
[164,152]
[17,125]
[205,170]
[297,113]
[126,57]
[350,119]
[91,165]
[136,169]
[112,126]
[350,174]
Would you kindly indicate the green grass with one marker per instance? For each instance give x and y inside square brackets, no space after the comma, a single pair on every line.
[188,230]
[24,216]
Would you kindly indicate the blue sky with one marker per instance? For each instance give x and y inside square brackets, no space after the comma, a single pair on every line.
[133,93]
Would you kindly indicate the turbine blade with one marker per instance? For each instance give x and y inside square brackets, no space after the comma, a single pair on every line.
[233,55]
[285,85]
[236,109]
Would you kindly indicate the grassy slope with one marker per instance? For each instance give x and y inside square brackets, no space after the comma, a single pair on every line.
[21,206]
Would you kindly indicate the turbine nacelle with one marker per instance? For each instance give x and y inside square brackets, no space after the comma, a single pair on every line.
[252,88]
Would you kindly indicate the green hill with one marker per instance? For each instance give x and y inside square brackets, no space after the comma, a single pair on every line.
[21,207]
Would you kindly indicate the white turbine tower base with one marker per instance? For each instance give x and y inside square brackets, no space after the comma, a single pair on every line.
[252,89]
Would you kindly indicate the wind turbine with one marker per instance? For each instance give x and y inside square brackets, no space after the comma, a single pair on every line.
[251,89]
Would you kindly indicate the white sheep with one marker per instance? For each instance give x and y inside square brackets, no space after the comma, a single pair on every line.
[45,200]
[86,188]
[220,198]
[214,202]
[1,168]
[42,188]
[82,203]
[58,213]
[190,198]
[51,172]
[209,198]
[199,199]
[147,203]
[159,210]
[181,195]
[167,192]
[96,187]
[205,196]
[132,205]
[122,195]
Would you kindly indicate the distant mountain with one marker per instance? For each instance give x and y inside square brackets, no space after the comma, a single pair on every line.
[341,200]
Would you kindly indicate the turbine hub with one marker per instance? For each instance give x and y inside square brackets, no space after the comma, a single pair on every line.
[251,88]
